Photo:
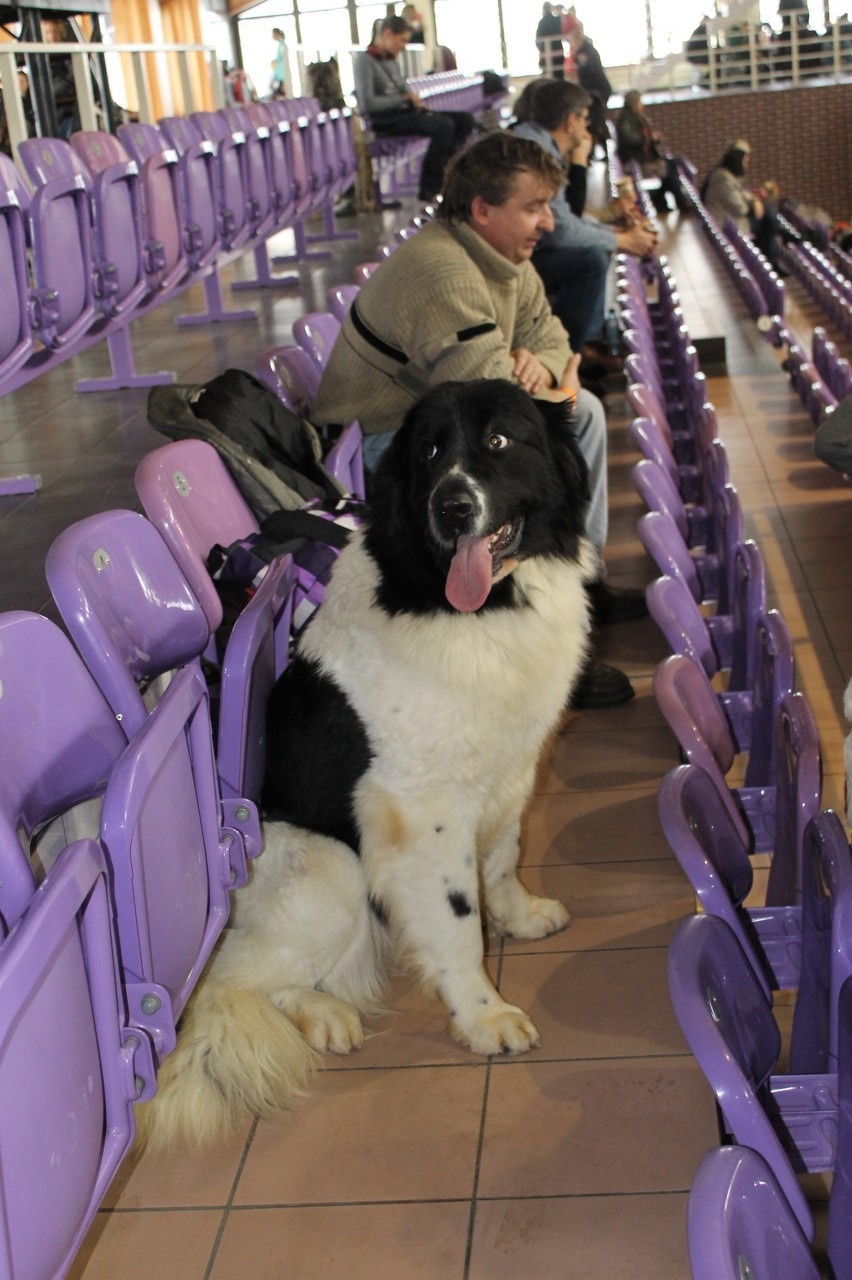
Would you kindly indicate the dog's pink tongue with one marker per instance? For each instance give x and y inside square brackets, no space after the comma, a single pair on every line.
[469,579]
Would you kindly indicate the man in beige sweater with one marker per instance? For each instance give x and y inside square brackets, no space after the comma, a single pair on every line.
[459,301]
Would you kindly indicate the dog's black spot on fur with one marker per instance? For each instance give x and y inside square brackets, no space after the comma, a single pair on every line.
[379,910]
[484,1000]
[459,904]
[438,830]
[316,751]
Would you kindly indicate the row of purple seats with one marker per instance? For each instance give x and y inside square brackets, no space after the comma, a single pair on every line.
[827,285]
[725,964]
[834,369]
[106,228]
[760,306]
[123,830]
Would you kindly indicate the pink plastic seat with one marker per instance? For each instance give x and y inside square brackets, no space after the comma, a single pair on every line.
[188,493]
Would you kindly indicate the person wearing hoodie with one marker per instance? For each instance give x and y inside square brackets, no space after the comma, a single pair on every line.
[573,259]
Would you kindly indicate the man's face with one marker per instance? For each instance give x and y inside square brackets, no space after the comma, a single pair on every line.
[578,124]
[514,227]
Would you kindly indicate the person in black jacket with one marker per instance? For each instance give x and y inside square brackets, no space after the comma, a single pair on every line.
[594,80]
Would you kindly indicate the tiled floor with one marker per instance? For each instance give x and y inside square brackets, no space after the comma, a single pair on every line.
[412,1159]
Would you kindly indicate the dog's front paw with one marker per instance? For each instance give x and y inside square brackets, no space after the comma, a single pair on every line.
[541,916]
[506,1029]
[329,1025]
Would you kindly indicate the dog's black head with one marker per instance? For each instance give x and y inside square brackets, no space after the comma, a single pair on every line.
[477,478]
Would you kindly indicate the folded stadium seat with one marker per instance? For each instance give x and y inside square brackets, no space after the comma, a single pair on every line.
[364,270]
[193,186]
[16,335]
[58,228]
[709,576]
[171,864]
[717,644]
[163,259]
[292,374]
[782,791]
[70,1119]
[122,286]
[188,494]
[133,618]
[317,332]
[804,946]
[739,1222]
[340,299]
[791,1121]
[653,481]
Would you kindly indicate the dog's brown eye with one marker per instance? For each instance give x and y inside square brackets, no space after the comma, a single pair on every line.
[497,441]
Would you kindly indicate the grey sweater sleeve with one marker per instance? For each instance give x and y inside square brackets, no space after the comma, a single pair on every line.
[379,86]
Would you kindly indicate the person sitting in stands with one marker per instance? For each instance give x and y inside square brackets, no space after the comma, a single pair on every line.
[637,140]
[726,195]
[460,301]
[395,111]
[573,257]
[833,439]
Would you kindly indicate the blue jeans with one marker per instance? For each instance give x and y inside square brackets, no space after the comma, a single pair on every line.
[575,279]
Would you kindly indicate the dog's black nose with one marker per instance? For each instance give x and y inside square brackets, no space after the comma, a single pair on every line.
[455,506]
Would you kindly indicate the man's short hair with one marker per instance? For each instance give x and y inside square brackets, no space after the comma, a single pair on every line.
[397,26]
[489,168]
[554,101]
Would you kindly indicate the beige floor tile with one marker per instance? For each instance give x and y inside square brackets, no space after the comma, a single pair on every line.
[593,826]
[594,1128]
[600,756]
[584,1238]
[619,904]
[369,1136]
[595,1004]
[137,1246]
[174,1179]
[382,1242]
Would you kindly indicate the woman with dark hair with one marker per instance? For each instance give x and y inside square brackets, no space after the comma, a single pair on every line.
[726,195]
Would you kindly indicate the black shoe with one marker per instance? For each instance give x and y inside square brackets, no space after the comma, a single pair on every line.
[601,686]
[615,604]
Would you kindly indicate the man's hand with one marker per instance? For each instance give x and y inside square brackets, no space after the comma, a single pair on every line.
[581,152]
[529,372]
[417,102]
[570,381]
[757,207]
[640,240]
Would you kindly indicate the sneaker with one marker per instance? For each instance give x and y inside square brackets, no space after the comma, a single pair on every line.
[615,604]
[601,686]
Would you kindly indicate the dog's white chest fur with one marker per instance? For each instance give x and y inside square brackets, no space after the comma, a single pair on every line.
[452,699]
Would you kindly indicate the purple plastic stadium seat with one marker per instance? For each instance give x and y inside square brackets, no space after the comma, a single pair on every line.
[59,235]
[340,299]
[171,865]
[345,460]
[188,494]
[740,1224]
[70,1066]
[292,374]
[133,618]
[116,228]
[726,1018]
[317,333]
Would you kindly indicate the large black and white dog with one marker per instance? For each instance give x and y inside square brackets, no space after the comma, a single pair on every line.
[407,729]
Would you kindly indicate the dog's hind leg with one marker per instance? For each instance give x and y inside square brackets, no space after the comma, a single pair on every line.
[421,866]
[510,907]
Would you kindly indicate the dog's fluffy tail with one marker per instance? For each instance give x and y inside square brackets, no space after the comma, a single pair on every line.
[235,1054]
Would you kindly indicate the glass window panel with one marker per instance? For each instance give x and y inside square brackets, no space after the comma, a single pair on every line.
[472,30]
[258,47]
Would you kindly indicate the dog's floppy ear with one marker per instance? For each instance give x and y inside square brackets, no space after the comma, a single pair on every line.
[566,451]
